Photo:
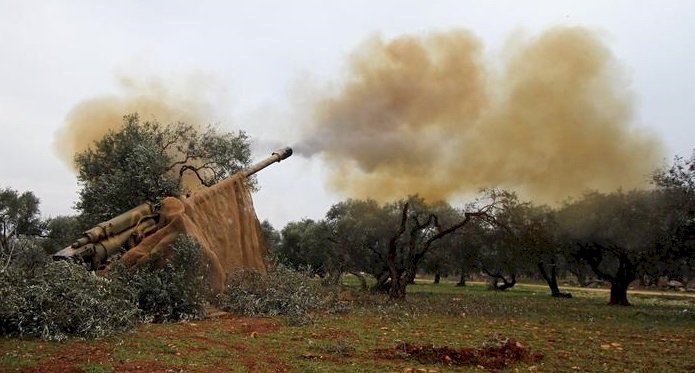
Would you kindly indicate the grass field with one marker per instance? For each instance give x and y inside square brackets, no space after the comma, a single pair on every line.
[583,334]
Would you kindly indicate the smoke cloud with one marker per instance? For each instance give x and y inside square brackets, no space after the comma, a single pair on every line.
[188,101]
[192,100]
[429,115]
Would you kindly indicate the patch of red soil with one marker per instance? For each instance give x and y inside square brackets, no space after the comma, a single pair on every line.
[75,353]
[490,357]
[227,323]
[267,363]
[209,342]
[257,326]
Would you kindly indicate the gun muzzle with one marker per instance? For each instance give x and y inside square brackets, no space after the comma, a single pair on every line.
[276,156]
[282,153]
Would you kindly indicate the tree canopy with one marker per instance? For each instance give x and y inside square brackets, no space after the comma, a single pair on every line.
[19,215]
[146,161]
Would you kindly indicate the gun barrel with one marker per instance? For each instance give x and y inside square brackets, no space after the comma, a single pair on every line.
[277,156]
[105,231]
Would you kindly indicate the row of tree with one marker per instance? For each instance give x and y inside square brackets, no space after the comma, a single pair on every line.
[20,219]
[616,237]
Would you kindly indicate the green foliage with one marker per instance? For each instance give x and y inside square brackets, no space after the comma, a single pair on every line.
[124,169]
[681,175]
[677,218]
[636,233]
[146,161]
[522,238]
[25,254]
[54,300]
[19,215]
[271,236]
[364,236]
[360,230]
[422,228]
[173,293]
[61,231]
[609,229]
[305,245]
[280,291]
[614,234]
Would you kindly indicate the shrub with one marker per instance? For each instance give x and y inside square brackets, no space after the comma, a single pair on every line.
[27,255]
[54,300]
[281,291]
[174,292]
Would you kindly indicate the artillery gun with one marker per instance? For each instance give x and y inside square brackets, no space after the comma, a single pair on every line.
[126,230]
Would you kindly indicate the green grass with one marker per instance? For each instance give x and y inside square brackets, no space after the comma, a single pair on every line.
[656,334]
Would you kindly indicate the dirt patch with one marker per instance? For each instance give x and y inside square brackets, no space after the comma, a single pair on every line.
[498,356]
[226,323]
[74,355]
[233,324]
[77,355]
[256,327]
[209,343]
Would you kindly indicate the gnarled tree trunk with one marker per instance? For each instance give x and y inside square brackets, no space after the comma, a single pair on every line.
[619,293]
[551,280]
[403,273]
[462,280]
[496,277]
[619,281]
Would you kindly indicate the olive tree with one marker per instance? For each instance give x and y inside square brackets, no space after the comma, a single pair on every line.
[358,235]
[305,245]
[61,231]
[19,216]
[146,160]
[466,249]
[612,233]
[421,227]
[675,256]
[271,236]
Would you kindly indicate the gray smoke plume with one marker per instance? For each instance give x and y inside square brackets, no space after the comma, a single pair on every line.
[428,115]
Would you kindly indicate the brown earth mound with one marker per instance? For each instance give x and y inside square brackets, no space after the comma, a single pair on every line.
[490,357]
[223,221]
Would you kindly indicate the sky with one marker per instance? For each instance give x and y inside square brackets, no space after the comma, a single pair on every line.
[257,59]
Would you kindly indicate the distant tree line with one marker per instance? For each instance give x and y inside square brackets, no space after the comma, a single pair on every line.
[616,237]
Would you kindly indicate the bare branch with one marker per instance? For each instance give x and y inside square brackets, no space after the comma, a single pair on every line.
[393,245]
[594,257]
[401,228]
[195,171]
